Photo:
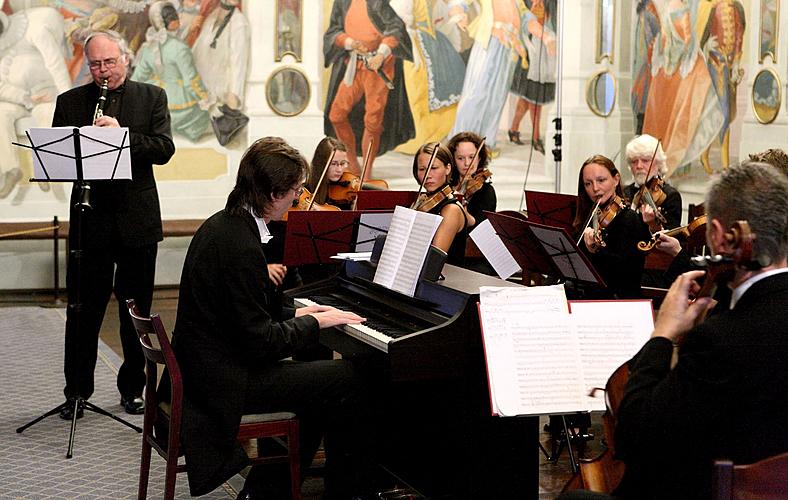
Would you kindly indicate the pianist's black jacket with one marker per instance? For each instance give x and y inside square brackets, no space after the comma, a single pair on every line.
[226,326]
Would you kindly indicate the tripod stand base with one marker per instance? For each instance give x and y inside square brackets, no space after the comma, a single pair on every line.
[77,402]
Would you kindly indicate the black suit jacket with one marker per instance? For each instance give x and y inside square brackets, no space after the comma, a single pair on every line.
[727,397]
[123,211]
[226,327]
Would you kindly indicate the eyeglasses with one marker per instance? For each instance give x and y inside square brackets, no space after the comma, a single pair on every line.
[343,163]
[108,63]
[298,190]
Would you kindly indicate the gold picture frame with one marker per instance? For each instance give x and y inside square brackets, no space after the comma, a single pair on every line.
[608,91]
[288,91]
[605,30]
[768,35]
[766,95]
[288,38]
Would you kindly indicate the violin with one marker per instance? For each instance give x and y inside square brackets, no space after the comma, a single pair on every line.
[344,190]
[427,201]
[691,230]
[720,268]
[604,217]
[306,202]
[474,184]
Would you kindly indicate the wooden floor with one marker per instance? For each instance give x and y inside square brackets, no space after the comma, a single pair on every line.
[552,475]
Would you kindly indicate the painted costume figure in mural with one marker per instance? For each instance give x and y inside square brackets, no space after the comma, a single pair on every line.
[682,109]
[32,73]
[365,45]
[724,38]
[497,46]
[166,61]
[646,30]
[434,79]
[535,85]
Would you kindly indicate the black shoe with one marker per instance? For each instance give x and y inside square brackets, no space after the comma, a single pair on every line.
[539,145]
[514,137]
[134,405]
[67,412]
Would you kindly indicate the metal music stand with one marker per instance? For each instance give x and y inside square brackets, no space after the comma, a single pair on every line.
[79,155]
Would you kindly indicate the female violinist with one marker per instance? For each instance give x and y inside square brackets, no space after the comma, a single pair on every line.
[612,248]
[477,189]
[338,166]
[439,199]
[647,175]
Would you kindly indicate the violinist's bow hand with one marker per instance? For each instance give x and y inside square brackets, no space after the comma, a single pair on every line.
[678,314]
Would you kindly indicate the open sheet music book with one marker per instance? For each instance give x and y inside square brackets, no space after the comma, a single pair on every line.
[545,355]
[407,243]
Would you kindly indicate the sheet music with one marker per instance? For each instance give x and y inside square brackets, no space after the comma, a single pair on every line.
[492,247]
[370,226]
[609,333]
[101,158]
[542,360]
[407,243]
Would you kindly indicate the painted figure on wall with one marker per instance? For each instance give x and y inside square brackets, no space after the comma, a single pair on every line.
[646,30]
[497,45]
[288,30]
[365,45]
[535,86]
[433,80]
[166,61]
[32,73]
[682,109]
[724,38]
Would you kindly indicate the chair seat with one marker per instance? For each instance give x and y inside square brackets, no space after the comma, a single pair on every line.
[261,418]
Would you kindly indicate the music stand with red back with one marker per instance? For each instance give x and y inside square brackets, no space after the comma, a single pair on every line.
[551,209]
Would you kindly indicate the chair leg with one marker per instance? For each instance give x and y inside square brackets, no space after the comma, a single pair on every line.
[142,491]
[169,479]
[294,453]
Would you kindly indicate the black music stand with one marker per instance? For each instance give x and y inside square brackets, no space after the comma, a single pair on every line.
[315,237]
[384,200]
[551,209]
[75,156]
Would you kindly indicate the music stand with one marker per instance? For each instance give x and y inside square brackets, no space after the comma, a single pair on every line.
[66,154]
[551,209]
[384,200]
[314,237]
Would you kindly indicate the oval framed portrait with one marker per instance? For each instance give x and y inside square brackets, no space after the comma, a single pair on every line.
[287,91]
[601,91]
[766,95]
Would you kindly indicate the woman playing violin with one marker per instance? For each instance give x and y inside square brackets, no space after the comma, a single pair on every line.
[639,153]
[338,166]
[439,199]
[612,249]
[476,187]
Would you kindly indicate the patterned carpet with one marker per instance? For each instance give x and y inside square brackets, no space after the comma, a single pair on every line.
[106,457]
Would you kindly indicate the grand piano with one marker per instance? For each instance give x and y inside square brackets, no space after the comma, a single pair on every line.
[424,356]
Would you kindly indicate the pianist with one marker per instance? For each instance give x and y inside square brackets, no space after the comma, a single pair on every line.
[231,343]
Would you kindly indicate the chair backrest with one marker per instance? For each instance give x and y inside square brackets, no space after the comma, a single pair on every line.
[763,480]
[158,351]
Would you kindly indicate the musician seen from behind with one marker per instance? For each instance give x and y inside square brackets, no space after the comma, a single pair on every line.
[232,344]
[471,175]
[648,173]
[610,235]
[725,397]
[122,227]
[438,198]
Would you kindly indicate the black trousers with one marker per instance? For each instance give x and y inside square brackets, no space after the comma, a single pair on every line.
[331,402]
[129,272]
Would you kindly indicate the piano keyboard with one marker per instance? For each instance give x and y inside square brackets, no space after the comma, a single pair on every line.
[361,331]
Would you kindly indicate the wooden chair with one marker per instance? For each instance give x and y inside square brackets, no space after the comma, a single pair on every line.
[764,480]
[162,421]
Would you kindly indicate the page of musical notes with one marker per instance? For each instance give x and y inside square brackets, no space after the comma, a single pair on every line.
[494,250]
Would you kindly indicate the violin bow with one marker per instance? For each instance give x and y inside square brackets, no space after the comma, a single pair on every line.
[645,194]
[590,218]
[363,173]
[461,185]
[320,181]
[426,174]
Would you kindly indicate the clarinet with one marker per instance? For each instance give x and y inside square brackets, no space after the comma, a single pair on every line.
[102,101]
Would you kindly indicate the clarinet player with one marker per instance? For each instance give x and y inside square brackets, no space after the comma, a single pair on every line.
[121,227]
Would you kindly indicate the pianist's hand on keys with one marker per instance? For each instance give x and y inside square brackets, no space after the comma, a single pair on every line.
[328,316]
